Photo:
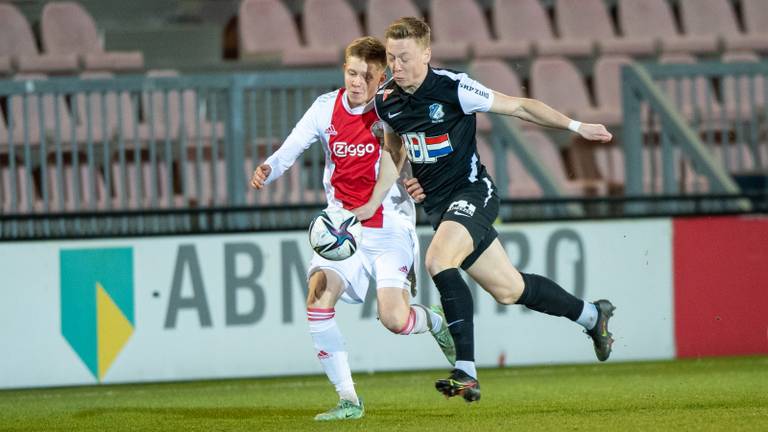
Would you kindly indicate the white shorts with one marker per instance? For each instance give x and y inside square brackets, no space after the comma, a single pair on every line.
[385,256]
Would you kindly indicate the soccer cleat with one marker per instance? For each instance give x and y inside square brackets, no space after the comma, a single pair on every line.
[459,383]
[345,410]
[601,337]
[443,336]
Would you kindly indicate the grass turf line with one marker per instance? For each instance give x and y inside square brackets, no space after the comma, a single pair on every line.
[709,394]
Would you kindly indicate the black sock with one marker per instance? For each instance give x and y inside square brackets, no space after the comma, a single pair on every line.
[544,295]
[459,310]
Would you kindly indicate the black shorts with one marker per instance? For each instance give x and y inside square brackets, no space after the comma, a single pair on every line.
[474,206]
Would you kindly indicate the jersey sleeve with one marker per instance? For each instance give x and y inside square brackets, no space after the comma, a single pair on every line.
[301,137]
[473,96]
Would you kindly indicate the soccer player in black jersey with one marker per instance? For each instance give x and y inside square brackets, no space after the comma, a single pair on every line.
[429,115]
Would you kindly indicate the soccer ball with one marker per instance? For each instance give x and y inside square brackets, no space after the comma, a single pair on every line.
[335,234]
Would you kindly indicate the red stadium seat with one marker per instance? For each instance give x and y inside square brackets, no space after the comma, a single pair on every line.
[548,154]
[557,82]
[634,16]
[755,13]
[67,28]
[330,24]
[267,31]
[53,107]
[17,44]
[588,19]
[455,25]
[742,105]
[525,22]
[608,89]
[495,75]
[693,104]
[703,17]
[154,105]
[379,14]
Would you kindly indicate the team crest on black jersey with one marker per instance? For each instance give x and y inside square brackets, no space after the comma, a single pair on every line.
[436,112]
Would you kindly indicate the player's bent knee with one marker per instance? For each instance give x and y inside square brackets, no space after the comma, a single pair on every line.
[507,295]
[507,298]
[435,264]
[392,321]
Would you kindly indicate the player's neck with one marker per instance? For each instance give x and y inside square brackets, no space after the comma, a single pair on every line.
[411,89]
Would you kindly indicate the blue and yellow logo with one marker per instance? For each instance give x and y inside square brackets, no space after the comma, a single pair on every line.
[97,316]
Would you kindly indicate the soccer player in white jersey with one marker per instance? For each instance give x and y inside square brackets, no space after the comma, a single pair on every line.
[360,177]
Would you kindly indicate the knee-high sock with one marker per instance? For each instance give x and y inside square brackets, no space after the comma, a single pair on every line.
[458,306]
[546,296]
[419,320]
[331,351]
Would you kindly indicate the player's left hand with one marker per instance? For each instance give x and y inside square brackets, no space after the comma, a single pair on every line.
[595,132]
[364,212]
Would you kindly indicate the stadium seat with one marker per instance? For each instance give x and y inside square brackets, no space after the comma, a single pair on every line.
[496,75]
[557,82]
[634,16]
[379,14]
[742,105]
[53,108]
[755,13]
[455,25]
[67,28]
[548,154]
[519,182]
[29,200]
[693,104]
[589,20]
[3,135]
[330,24]
[525,23]
[5,65]
[155,107]
[105,123]
[130,191]
[18,46]
[607,80]
[267,32]
[703,17]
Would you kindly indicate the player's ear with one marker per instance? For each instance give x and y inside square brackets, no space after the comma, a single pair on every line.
[427,54]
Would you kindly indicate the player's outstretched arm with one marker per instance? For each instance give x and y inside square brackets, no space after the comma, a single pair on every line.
[260,176]
[538,112]
[389,172]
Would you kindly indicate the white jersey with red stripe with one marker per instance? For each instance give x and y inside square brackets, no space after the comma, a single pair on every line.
[351,139]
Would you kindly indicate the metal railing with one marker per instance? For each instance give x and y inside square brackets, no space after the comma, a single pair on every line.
[694,128]
[136,144]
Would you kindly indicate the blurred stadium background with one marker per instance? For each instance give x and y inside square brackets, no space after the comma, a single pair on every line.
[131,249]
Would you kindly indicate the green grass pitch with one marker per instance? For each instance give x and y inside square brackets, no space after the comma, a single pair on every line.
[723,394]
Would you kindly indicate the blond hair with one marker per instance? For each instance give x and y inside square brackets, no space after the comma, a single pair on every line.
[409,28]
[369,49]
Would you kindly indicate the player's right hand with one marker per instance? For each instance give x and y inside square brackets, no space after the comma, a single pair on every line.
[414,189]
[260,176]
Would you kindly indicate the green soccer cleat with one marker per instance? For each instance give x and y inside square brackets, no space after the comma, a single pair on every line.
[443,336]
[601,337]
[459,383]
[345,410]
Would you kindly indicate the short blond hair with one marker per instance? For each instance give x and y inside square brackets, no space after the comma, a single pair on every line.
[409,28]
[369,49]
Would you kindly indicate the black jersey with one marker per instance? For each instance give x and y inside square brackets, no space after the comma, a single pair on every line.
[437,126]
